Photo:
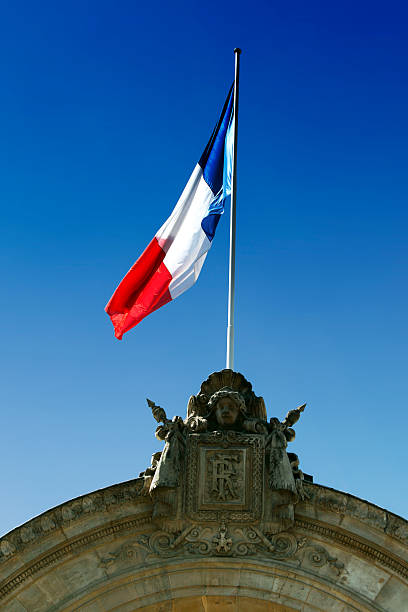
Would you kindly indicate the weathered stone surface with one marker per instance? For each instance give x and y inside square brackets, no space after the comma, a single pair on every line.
[107,564]
[393,596]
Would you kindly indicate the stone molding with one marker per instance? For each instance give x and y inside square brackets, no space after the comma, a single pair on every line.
[102,500]
[354,543]
[127,496]
[295,547]
[59,552]
[345,504]
[250,578]
[97,502]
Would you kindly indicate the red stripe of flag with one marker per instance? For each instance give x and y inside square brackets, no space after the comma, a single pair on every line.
[141,291]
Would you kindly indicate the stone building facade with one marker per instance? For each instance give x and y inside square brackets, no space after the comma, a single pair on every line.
[222,520]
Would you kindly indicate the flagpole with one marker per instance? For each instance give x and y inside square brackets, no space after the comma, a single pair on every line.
[231,282]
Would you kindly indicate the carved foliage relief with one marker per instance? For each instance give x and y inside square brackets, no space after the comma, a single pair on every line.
[223,541]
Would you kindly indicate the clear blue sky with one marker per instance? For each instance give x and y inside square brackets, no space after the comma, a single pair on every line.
[106,107]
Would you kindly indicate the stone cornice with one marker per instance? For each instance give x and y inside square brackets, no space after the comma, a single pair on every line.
[333,535]
[345,504]
[354,543]
[59,552]
[97,502]
[105,500]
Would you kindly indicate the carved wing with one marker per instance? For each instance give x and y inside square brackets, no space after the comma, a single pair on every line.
[159,414]
[191,406]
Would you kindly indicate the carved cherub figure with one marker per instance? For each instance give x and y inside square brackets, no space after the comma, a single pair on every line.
[227,411]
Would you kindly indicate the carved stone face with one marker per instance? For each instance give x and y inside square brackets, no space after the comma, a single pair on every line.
[226,411]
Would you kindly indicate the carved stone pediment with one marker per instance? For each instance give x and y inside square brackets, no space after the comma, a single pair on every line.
[212,523]
[225,463]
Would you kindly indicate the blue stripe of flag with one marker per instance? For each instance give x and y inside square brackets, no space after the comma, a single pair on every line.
[212,162]
[212,159]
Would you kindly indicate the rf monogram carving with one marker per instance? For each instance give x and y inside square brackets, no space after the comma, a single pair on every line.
[224,475]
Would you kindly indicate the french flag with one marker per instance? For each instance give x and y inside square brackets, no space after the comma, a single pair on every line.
[172,262]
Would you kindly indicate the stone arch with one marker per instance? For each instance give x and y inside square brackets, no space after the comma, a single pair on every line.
[95,553]
[216,585]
